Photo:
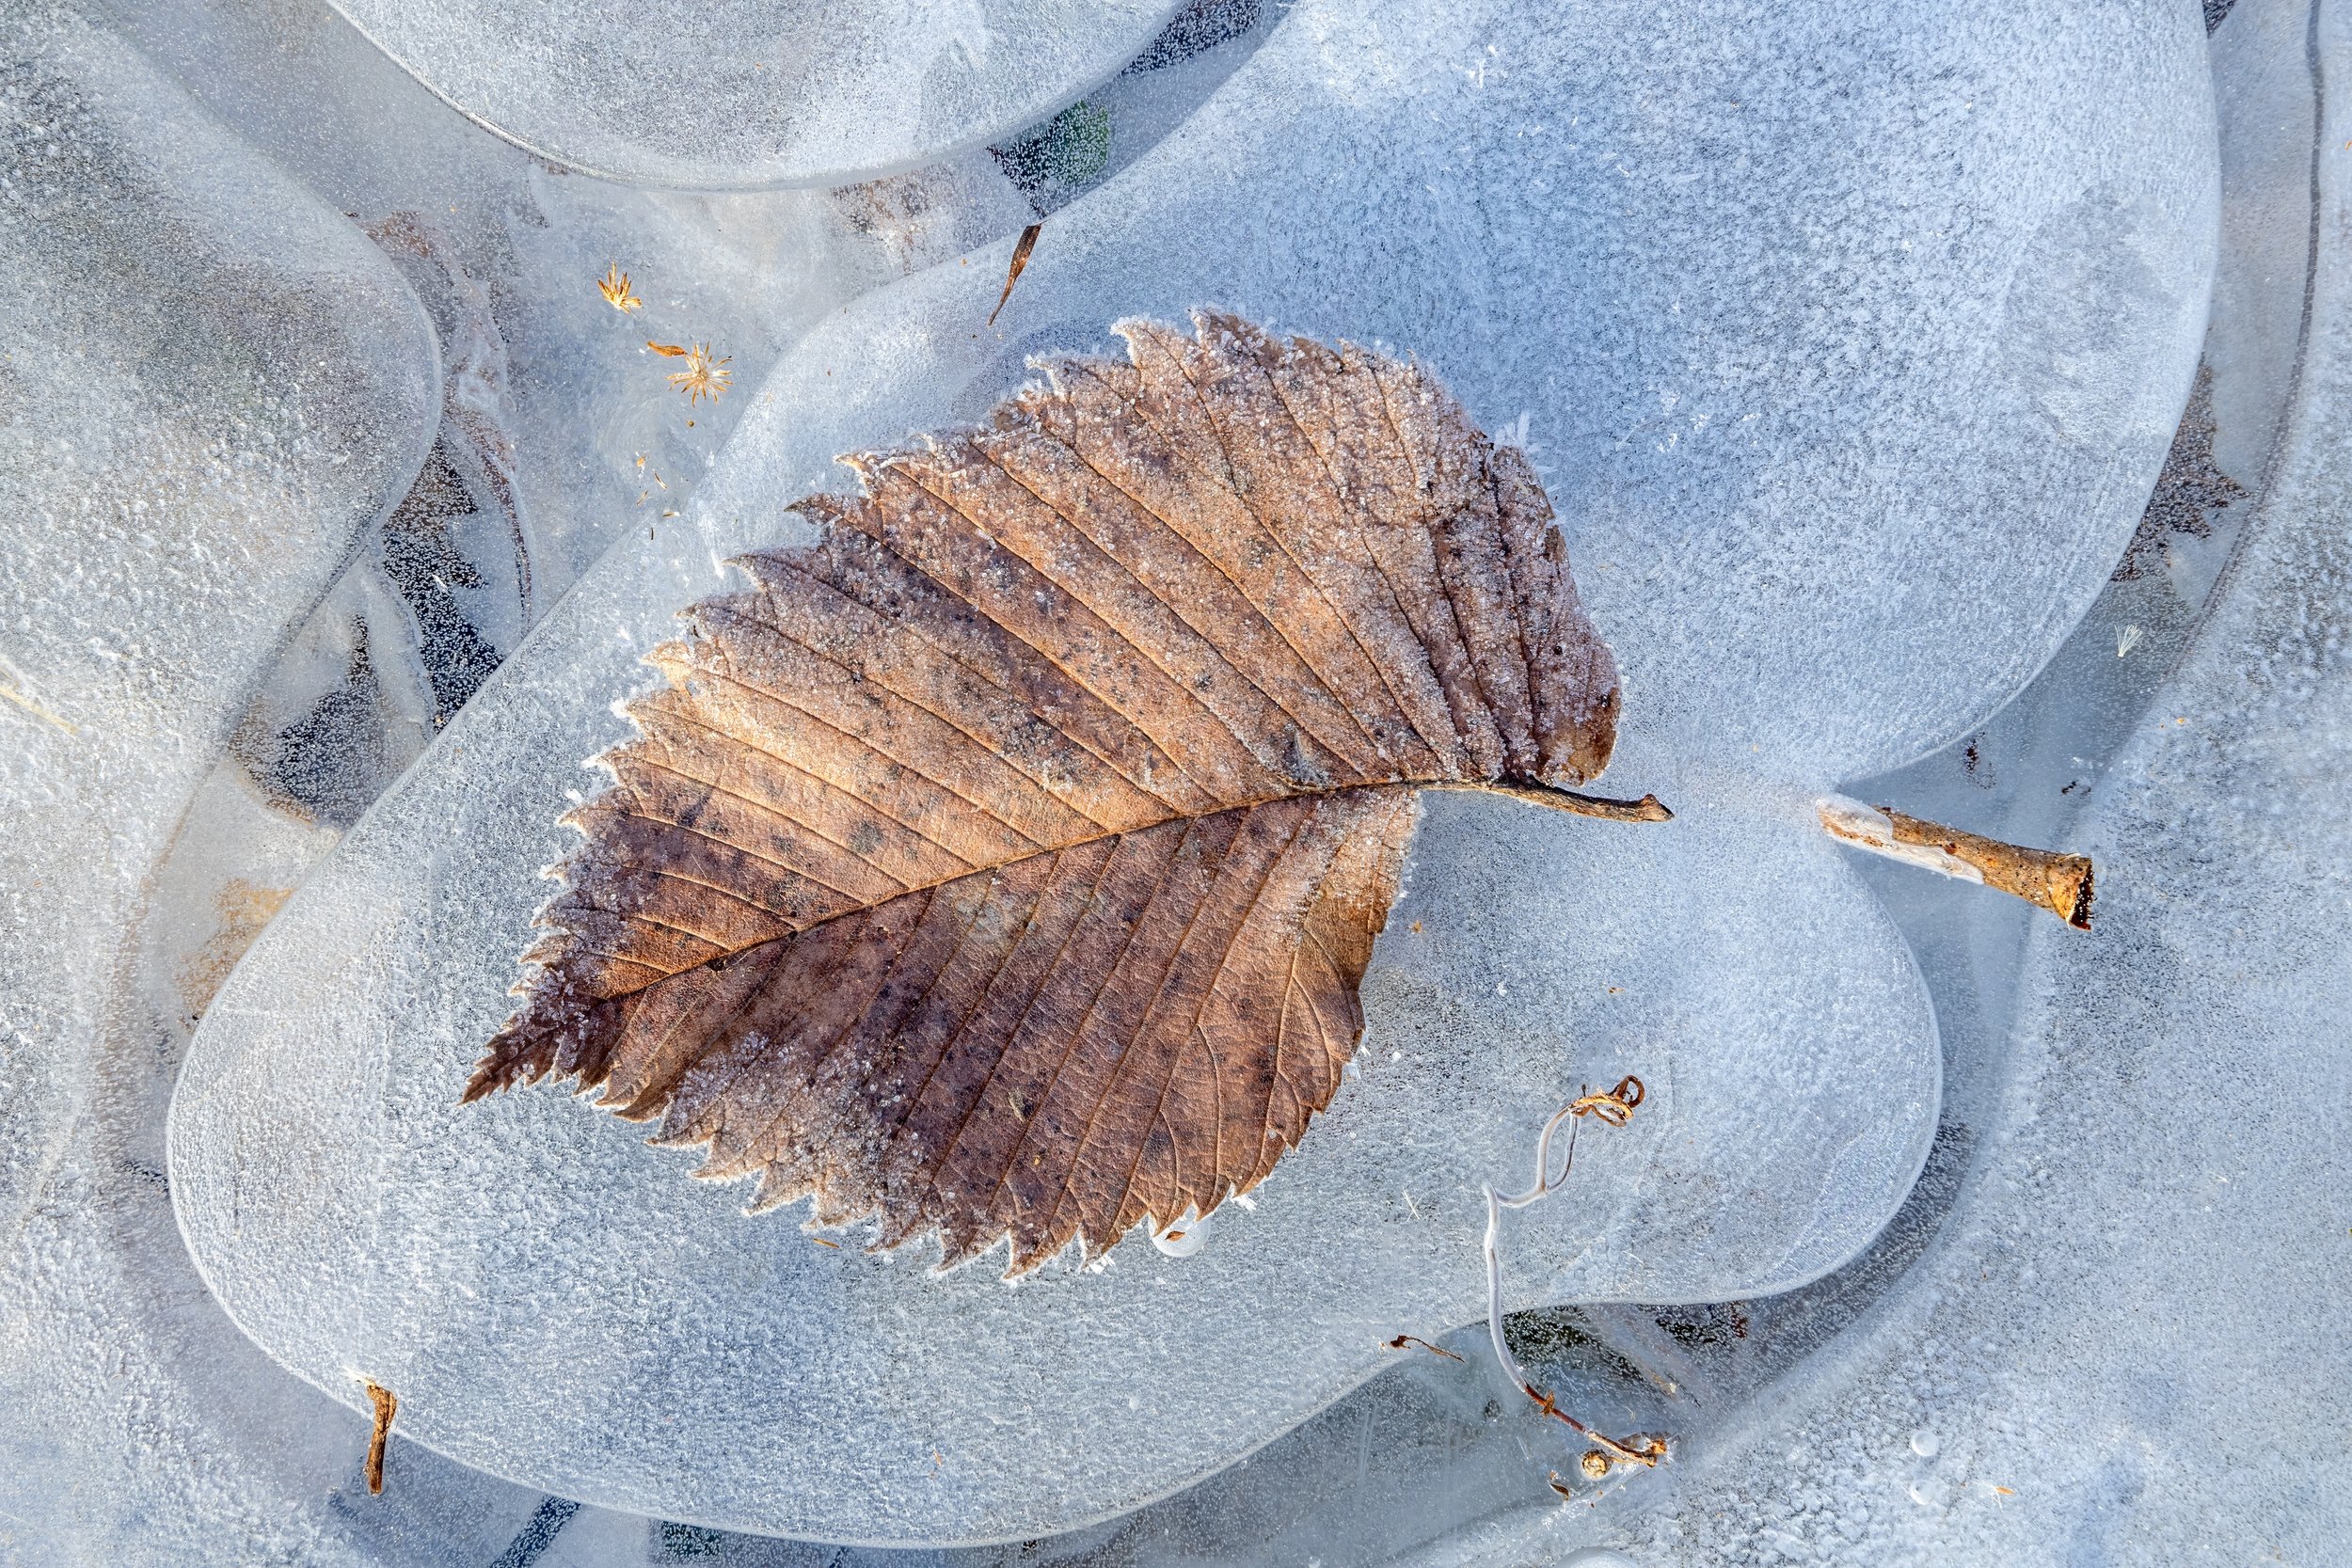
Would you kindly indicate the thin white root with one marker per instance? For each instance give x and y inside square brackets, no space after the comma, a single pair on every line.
[1612,1108]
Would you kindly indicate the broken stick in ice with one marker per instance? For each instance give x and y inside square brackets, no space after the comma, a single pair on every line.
[387,1405]
[2058,883]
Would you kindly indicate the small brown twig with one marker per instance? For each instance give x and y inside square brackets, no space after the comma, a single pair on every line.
[386,1406]
[2060,883]
[1403,1340]
[1612,1108]
[1021,248]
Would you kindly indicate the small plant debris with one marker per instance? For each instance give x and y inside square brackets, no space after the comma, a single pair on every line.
[387,1405]
[704,376]
[613,285]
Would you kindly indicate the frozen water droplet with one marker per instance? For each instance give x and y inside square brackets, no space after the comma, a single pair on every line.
[1188,1236]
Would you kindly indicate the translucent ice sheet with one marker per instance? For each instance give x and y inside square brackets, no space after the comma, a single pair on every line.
[1776,348]
[1847,350]
[213,385]
[557,1303]
[2153,1259]
[758,92]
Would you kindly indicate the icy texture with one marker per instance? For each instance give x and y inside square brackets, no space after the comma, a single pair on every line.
[213,385]
[2126,1344]
[559,430]
[1795,307]
[757,92]
[2197,1047]
[672,1356]
[1847,349]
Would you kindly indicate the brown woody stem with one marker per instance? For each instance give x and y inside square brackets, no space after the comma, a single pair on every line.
[2059,882]
[387,1405]
[1647,809]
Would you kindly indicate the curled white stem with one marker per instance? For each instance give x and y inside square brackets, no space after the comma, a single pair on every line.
[1496,1204]
[1614,1108]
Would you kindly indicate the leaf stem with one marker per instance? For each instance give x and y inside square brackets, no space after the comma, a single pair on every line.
[1647,809]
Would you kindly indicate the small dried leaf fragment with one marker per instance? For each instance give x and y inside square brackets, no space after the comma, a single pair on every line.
[1006,862]
[1021,248]
[613,285]
[704,376]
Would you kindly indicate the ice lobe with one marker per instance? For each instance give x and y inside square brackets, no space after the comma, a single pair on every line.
[1847,348]
[757,92]
[559,1306]
[1847,351]
[211,386]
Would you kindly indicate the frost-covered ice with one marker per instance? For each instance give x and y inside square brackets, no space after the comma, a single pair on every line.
[213,385]
[758,92]
[2125,1344]
[1848,349]
[729,1370]
[559,430]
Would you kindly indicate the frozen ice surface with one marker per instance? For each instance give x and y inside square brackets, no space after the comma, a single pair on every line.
[1777,345]
[213,384]
[1789,308]
[556,1302]
[719,93]
[559,430]
[504,250]
[1846,347]
[2125,1342]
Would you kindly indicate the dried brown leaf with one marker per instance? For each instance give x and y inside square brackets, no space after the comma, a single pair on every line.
[1007,860]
